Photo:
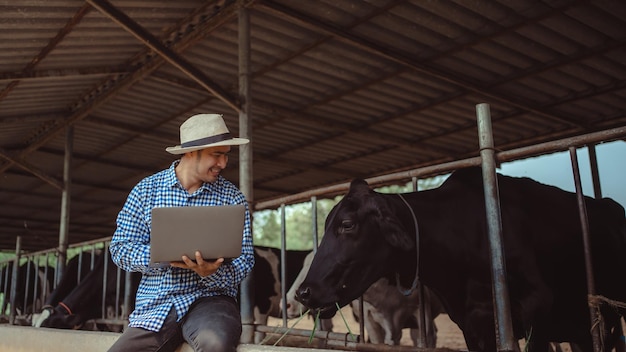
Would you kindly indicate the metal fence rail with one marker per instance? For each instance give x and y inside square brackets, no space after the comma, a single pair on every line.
[36,288]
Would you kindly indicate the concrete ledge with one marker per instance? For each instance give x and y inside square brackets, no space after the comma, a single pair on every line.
[28,339]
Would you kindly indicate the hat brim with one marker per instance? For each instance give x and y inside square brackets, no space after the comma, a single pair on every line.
[180,150]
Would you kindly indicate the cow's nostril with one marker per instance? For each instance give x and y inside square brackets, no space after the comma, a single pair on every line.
[303,295]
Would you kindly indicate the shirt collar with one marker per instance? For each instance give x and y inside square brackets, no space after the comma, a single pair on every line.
[170,175]
[172,181]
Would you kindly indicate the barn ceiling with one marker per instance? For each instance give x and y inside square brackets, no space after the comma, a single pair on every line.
[338,89]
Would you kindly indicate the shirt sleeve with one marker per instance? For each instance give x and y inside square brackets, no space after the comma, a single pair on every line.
[130,245]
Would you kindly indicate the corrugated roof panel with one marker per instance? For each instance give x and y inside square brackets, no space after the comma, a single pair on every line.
[338,89]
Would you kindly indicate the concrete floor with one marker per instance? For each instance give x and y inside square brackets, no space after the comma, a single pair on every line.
[29,339]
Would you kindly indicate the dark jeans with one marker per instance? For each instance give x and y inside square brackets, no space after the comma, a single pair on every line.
[212,324]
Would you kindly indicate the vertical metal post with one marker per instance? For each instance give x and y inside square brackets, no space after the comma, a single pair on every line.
[245,164]
[15,278]
[118,292]
[504,327]
[80,267]
[314,216]
[283,262]
[597,193]
[65,200]
[45,290]
[595,174]
[422,340]
[594,312]
[28,283]
[105,274]
[4,280]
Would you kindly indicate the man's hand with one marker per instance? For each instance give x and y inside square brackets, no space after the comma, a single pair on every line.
[200,266]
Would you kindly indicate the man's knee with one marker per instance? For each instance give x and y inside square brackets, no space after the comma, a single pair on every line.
[215,342]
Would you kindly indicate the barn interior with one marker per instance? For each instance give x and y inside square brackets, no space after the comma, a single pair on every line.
[93,91]
[337,90]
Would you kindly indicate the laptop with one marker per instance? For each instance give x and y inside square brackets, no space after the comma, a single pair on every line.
[215,231]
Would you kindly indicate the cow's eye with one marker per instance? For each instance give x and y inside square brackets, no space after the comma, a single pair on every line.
[347,225]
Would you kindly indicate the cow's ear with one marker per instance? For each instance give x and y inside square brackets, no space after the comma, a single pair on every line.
[359,186]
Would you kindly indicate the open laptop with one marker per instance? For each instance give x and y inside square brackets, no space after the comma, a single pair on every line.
[216,231]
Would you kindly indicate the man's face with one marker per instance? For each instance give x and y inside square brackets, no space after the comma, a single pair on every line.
[210,162]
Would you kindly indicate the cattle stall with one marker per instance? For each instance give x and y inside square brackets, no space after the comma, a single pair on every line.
[340,339]
[26,295]
[570,144]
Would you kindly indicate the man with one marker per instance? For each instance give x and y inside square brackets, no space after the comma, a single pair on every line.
[192,300]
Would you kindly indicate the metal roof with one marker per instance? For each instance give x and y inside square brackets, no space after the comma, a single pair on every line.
[339,89]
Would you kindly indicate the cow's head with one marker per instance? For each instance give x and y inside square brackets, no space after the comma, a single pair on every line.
[59,318]
[362,235]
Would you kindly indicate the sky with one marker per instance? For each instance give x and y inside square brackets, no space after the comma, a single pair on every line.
[556,170]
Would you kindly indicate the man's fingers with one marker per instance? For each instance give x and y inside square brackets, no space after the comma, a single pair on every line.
[188,261]
[199,259]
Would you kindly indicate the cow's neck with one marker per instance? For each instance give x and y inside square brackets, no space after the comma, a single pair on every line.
[414,283]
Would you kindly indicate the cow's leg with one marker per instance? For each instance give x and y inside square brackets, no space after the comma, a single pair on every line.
[326,325]
[430,339]
[534,298]
[478,326]
[259,319]
[372,324]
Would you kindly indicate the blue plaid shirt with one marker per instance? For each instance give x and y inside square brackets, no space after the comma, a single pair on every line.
[160,288]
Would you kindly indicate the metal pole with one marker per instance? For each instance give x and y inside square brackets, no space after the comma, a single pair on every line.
[504,327]
[597,193]
[314,216]
[283,263]
[595,175]
[65,200]
[15,278]
[591,290]
[422,340]
[245,163]
[105,274]
[4,280]
[27,286]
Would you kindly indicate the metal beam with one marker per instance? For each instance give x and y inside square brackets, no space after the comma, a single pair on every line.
[170,56]
[69,26]
[90,102]
[51,180]
[401,59]
[509,155]
[60,73]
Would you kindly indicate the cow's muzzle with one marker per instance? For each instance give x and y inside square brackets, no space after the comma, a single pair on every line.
[304,296]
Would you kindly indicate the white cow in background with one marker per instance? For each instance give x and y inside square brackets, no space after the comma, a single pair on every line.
[387,311]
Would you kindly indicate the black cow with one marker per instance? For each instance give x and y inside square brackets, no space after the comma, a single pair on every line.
[267,273]
[84,302]
[369,235]
[31,287]
[267,288]
[77,268]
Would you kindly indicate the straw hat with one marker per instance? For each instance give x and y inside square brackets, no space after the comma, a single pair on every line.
[204,131]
